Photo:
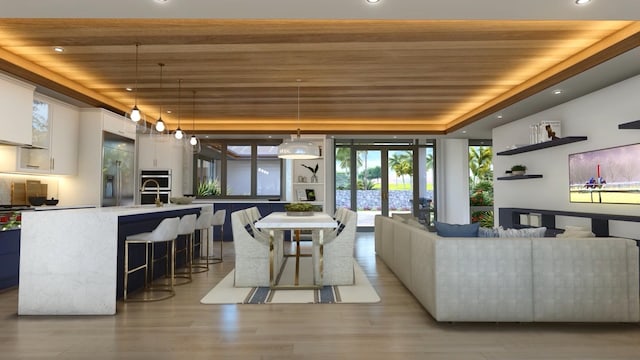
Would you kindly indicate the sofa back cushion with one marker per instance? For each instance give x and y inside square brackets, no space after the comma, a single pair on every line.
[457,230]
[536,232]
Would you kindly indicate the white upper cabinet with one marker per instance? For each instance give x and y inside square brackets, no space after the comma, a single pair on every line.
[118,125]
[54,138]
[16,102]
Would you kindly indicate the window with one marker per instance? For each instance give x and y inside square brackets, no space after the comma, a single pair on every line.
[481,182]
[236,169]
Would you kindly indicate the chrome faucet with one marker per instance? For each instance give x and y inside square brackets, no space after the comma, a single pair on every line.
[158,202]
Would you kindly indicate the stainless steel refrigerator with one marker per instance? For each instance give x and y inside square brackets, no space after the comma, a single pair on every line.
[118,170]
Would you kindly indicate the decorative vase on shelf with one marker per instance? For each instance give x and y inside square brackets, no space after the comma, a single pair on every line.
[314,178]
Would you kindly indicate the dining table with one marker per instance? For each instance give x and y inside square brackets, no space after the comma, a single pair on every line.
[317,222]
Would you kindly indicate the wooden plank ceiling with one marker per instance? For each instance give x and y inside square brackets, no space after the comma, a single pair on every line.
[427,77]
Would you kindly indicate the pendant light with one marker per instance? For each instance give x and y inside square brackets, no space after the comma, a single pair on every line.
[135,112]
[160,124]
[179,134]
[297,148]
[194,140]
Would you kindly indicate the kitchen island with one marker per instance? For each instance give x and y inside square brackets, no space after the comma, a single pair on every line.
[71,260]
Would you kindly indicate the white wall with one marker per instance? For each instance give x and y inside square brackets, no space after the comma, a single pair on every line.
[452,162]
[596,116]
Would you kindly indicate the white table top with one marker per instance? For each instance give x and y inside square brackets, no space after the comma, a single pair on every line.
[280,220]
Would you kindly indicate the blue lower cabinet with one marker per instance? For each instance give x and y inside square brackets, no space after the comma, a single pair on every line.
[9,258]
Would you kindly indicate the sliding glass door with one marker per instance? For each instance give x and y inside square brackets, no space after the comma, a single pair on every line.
[383,178]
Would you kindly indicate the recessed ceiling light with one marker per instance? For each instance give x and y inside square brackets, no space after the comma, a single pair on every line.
[557,92]
[499,116]
[373,1]
[129,89]
[464,131]
[168,111]
[58,49]
[582,2]
[161,1]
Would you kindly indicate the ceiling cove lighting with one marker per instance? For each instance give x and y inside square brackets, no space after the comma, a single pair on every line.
[179,134]
[160,124]
[194,140]
[297,148]
[135,112]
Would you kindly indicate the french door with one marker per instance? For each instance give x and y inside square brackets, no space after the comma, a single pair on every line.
[375,179]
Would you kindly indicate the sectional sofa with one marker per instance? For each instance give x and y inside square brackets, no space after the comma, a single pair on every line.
[513,279]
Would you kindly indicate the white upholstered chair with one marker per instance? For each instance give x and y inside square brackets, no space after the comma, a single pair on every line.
[167,232]
[338,248]
[252,252]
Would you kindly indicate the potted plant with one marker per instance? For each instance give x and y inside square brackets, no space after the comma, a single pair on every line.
[314,171]
[299,209]
[518,169]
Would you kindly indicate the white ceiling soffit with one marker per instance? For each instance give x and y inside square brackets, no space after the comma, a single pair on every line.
[326,9]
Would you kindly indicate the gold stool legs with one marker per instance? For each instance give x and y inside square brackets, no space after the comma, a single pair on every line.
[212,259]
[203,264]
[187,273]
[149,289]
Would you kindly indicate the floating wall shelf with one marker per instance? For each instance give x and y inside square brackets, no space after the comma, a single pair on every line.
[630,125]
[520,177]
[543,145]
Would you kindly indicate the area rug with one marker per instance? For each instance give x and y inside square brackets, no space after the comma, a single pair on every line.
[361,292]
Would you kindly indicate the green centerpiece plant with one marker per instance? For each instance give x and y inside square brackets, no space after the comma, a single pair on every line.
[299,207]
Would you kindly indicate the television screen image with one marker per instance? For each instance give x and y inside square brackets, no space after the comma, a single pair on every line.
[607,176]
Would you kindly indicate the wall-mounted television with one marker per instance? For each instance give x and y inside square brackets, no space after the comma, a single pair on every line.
[607,176]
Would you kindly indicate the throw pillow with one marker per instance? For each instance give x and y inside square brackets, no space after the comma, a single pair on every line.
[485,232]
[522,233]
[576,234]
[457,230]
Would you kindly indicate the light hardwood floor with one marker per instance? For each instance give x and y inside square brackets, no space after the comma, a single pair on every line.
[396,328]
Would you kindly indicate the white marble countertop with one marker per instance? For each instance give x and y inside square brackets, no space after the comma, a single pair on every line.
[68,259]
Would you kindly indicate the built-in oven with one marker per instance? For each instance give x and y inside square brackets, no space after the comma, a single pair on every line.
[155,183]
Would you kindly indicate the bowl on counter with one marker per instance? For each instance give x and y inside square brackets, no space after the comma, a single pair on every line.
[183,200]
[37,200]
[51,202]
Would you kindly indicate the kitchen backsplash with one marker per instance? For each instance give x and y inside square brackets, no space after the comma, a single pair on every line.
[6,180]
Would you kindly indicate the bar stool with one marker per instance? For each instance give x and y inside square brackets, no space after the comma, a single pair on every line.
[218,220]
[167,232]
[187,227]
[203,223]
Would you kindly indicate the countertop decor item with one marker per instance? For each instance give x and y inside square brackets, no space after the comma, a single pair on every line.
[183,200]
[51,202]
[37,200]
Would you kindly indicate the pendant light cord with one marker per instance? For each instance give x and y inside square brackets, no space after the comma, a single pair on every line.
[179,96]
[135,95]
[161,66]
